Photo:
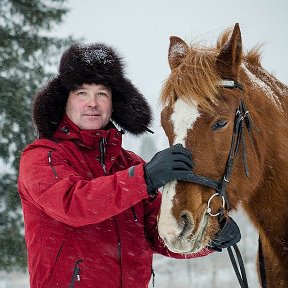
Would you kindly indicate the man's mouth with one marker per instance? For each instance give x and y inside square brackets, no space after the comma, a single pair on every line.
[91,114]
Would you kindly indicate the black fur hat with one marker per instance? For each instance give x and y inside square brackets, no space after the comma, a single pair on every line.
[96,63]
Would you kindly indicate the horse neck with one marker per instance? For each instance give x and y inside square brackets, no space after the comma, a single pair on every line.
[267,100]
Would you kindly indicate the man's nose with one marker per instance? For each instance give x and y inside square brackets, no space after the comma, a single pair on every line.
[93,101]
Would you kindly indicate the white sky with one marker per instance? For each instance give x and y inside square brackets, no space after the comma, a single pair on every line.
[140,31]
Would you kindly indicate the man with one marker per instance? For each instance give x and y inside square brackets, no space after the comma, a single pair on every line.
[90,207]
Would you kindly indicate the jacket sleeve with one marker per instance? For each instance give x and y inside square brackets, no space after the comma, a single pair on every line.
[64,195]
[151,207]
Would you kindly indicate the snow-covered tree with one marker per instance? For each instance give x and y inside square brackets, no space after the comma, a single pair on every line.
[27,52]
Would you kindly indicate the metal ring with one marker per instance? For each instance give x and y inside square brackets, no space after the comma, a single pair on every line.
[208,205]
[226,180]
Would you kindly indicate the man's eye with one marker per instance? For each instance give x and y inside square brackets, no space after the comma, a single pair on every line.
[81,93]
[221,123]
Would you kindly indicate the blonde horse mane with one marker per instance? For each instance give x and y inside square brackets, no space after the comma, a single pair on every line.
[196,77]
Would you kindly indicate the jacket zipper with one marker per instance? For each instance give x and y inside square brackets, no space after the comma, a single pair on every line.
[119,250]
[76,273]
[153,276]
[134,214]
[102,147]
[51,164]
[120,260]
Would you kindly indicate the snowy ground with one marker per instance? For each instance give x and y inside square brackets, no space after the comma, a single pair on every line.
[213,271]
[13,280]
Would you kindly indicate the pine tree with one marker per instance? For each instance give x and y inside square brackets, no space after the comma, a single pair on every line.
[27,52]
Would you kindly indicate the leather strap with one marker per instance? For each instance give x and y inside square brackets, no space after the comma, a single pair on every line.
[241,274]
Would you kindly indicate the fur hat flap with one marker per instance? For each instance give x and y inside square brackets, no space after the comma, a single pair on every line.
[49,107]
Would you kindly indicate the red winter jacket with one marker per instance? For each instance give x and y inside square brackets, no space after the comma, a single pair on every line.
[88,220]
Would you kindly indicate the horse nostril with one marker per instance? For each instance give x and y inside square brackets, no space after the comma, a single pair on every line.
[186,223]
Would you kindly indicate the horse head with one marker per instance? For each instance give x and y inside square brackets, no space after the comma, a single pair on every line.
[205,111]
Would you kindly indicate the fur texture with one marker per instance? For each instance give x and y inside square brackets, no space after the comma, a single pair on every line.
[99,64]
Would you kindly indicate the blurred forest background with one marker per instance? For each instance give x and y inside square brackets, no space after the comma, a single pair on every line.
[26,55]
[29,55]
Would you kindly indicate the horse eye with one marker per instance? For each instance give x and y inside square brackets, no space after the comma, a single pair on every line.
[220,124]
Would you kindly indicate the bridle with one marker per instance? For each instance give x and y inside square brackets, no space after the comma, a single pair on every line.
[242,119]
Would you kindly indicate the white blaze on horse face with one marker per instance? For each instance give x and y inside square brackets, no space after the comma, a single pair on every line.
[182,118]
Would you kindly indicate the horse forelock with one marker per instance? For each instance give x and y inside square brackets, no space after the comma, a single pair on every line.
[195,79]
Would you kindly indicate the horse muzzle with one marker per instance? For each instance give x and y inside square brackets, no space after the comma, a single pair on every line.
[180,238]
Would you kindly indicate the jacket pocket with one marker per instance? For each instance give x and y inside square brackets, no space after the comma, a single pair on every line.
[76,274]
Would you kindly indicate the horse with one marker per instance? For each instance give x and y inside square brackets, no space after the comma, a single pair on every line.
[231,113]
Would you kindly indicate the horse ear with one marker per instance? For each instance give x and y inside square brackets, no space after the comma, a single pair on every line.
[177,51]
[229,58]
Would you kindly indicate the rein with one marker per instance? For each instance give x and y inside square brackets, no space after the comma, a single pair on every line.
[242,119]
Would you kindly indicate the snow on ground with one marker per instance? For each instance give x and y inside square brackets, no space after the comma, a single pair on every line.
[13,280]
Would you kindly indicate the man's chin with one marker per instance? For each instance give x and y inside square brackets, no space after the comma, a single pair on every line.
[91,124]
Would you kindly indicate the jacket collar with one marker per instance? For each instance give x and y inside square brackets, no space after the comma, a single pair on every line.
[89,139]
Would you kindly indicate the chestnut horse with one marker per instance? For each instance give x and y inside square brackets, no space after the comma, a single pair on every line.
[223,106]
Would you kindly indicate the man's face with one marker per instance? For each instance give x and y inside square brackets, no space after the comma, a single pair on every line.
[90,106]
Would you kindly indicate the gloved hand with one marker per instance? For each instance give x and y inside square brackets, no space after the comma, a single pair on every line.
[174,163]
[227,236]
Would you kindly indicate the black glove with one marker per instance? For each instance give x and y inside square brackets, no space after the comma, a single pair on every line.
[174,163]
[227,236]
